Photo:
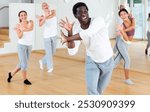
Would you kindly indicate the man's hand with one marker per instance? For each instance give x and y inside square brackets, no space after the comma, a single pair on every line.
[66,24]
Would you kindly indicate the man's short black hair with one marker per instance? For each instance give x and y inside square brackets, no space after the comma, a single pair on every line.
[122,10]
[77,5]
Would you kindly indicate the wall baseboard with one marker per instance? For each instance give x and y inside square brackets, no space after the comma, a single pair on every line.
[60,52]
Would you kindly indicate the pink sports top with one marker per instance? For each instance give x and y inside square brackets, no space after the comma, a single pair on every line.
[129,33]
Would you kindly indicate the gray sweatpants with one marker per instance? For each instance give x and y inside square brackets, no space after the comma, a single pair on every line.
[148,38]
[122,53]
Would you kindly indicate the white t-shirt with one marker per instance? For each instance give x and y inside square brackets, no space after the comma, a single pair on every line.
[50,28]
[96,41]
[27,38]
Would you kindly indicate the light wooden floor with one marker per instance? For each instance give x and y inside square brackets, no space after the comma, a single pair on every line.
[68,75]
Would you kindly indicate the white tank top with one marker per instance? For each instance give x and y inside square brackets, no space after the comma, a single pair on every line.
[27,38]
[50,28]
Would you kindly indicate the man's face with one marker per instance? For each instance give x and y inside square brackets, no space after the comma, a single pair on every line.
[82,15]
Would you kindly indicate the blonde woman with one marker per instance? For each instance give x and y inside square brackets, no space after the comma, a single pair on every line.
[24,30]
[49,21]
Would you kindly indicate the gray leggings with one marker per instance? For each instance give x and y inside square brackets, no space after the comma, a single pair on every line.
[122,53]
[148,37]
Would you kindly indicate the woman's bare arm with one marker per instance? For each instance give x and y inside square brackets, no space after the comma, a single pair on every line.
[29,26]
[53,14]
[19,33]
[42,20]
[123,33]
[131,27]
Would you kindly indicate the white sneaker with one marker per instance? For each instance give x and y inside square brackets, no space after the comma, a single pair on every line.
[50,70]
[41,65]
[128,42]
[129,82]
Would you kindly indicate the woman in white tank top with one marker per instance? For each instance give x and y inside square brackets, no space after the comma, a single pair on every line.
[24,30]
[49,21]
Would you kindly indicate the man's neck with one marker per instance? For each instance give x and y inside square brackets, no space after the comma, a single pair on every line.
[85,26]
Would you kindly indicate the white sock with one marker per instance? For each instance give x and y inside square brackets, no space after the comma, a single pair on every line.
[50,70]
[128,81]
[41,65]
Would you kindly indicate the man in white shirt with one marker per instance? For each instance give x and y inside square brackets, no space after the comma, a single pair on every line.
[99,61]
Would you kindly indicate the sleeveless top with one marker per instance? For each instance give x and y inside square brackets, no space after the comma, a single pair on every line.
[129,33]
[50,27]
[27,38]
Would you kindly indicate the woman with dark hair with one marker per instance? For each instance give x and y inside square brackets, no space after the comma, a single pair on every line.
[120,21]
[24,30]
[124,37]
[147,52]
